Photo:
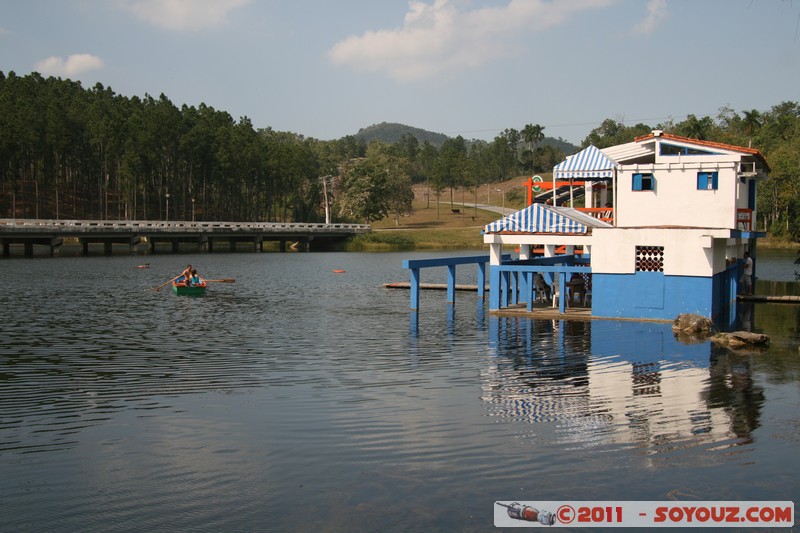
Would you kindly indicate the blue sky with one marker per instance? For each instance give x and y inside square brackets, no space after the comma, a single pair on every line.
[470,67]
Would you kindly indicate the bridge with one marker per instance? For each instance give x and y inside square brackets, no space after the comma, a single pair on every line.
[207,236]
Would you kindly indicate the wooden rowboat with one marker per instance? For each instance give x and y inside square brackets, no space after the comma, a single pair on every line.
[179,287]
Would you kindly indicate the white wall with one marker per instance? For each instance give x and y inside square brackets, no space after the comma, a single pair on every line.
[675,200]
[687,251]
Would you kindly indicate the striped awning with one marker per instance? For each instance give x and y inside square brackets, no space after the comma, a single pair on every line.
[587,164]
[541,218]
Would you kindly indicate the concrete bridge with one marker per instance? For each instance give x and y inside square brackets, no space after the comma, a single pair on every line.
[206,236]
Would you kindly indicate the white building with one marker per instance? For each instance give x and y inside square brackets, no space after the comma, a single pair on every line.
[683,211]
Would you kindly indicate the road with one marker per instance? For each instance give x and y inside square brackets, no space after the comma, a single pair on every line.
[486,207]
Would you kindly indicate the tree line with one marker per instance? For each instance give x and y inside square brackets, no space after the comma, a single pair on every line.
[71,152]
[75,153]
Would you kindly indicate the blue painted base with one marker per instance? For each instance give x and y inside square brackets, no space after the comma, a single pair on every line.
[650,295]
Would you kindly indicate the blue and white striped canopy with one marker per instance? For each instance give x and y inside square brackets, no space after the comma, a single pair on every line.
[541,218]
[587,164]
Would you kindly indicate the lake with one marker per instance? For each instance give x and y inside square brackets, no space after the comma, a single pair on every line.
[298,399]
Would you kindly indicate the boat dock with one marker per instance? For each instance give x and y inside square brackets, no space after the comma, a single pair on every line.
[789,299]
[433,286]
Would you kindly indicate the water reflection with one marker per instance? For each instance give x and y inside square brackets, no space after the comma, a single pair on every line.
[733,389]
[620,383]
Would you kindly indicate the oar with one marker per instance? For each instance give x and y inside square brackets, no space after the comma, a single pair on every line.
[165,284]
[224,280]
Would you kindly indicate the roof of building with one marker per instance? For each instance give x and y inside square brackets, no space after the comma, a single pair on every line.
[541,218]
[699,142]
[589,163]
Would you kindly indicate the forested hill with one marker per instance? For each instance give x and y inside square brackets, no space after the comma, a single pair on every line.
[560,144]
[392,132]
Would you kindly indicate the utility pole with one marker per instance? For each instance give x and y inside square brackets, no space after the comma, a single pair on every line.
[325,196]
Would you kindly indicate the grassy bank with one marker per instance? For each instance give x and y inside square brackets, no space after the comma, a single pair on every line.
[443,224]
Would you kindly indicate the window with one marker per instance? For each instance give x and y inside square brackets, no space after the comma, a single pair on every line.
[707,181]
[671,149]
[644,182]
[649,259]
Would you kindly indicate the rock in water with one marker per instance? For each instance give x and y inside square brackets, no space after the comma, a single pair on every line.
[742,339]
[691,324]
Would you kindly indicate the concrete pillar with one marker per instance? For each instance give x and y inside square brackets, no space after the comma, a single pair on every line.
[495,253]
[549,251]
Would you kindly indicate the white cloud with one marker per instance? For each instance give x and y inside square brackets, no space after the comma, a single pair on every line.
[439,38]
[71,66]
[184,14]
[656,14]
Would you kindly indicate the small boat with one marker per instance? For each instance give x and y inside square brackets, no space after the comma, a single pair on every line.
[179,286]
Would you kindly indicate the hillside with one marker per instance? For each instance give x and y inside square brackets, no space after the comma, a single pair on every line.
[392,132]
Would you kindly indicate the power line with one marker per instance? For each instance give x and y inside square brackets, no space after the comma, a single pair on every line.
[576,124]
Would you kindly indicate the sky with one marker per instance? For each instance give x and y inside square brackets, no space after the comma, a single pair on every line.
[473,68]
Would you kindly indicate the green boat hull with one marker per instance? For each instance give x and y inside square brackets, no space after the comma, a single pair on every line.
[188,291]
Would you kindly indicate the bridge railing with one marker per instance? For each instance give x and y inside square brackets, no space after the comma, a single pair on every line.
[177,225]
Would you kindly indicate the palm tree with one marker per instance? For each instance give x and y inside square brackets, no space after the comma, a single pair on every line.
[533,134]
[751,122]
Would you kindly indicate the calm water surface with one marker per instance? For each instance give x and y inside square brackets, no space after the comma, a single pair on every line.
[298,399]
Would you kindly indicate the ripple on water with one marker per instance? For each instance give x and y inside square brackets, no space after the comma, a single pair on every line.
[296,389]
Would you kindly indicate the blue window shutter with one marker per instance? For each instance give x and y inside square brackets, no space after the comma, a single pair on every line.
[702,181]
[714,180]
[637,182]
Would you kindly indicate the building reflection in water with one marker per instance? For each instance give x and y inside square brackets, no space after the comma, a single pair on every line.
[612,382]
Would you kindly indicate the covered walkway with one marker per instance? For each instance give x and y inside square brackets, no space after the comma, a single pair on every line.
[527,278]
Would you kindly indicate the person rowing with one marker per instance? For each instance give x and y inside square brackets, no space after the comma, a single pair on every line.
[186,275]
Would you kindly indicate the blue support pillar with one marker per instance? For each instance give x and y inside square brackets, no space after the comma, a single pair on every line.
[414,288]
[562,290]
[504,289]
[514,287]
[494,288]
[481,280]
[529,289]
[451,284]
